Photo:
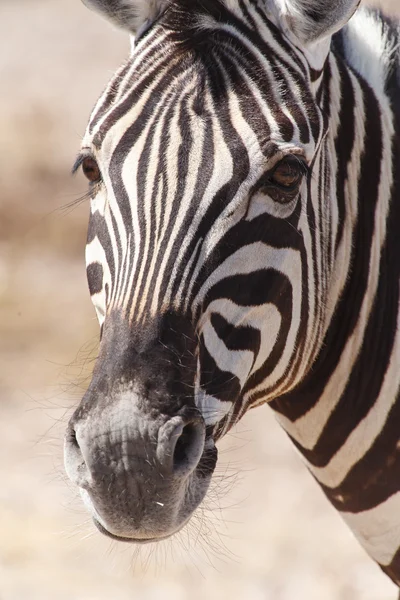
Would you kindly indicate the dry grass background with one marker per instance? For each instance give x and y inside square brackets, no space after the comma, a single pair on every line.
[273,535]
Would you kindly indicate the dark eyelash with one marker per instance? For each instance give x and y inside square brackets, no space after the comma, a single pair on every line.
[80,158]
[305,168]
[78,163]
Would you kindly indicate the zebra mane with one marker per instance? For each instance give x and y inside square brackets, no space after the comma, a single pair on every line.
[370,43]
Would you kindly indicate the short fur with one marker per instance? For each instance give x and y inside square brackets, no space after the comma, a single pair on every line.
[371,46]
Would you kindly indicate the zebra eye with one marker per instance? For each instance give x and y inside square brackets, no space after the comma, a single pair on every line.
[288,173]
[283,182]
[91,169]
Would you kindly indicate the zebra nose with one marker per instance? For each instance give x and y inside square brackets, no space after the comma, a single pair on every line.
[175,449]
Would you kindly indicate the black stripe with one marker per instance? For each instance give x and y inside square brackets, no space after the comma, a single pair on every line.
[94,272]
[344,143]
[221,384]
[242,337]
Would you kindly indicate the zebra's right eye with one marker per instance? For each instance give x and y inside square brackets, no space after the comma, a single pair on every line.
[91,169]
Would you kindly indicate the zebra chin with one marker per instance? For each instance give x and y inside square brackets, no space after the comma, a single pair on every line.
[133,535]
[163,523]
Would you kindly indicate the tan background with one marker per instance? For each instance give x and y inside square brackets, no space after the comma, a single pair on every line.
[266,531]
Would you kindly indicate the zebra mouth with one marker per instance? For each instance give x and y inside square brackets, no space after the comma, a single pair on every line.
[130,540]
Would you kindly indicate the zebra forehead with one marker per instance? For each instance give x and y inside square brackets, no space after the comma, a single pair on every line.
[209,76]
[307,24]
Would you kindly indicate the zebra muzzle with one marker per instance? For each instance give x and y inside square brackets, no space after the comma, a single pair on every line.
[141,475]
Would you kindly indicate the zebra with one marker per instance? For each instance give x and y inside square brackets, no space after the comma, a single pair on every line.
[243,248]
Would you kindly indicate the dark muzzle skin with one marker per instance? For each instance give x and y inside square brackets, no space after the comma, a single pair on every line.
[136,446]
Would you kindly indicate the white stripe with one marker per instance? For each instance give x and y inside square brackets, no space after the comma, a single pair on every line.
[378,529]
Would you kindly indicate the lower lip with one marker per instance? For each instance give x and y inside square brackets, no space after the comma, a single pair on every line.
[130,540]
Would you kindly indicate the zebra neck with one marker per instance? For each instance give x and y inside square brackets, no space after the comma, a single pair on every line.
[347,404]
[344,416]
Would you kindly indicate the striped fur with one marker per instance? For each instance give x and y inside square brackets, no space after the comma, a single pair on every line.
[294,301]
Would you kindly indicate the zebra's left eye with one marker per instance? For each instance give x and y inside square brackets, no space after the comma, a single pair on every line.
[288,173]
[283,182]
[91,169]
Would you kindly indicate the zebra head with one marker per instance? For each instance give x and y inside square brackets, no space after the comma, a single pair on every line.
[211,202]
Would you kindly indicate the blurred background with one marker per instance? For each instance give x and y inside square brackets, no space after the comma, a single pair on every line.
[265,531]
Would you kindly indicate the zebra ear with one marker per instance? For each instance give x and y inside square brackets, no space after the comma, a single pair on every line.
[314,20]
[130,15]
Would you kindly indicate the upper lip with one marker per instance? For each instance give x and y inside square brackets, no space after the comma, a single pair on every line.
[132,540]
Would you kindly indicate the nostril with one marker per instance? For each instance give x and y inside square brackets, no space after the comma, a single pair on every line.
[75,464]
[189,447]
[183,444]
[71,438]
